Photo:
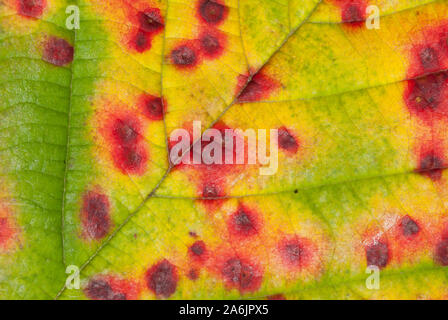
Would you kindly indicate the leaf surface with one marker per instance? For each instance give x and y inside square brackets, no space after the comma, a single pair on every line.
[86,117]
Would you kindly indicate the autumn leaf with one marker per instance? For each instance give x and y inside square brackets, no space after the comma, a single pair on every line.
[87,113]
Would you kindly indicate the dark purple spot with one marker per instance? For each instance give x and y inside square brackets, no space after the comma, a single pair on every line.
[162,279]
[425,94]
[287,141]
[95,214]
[243,223]
[132,159]
[259,87]
[125,132]
[197,249]
[193,274]
[153,107]
[377,255]
[431,166]
[212,12]
[292,252]
[151,20]
[409,227]
[210,45]
[184,56]
[57,51]
[142,41]
[241,275]
[441,254]
[210,191]
[352,13]
[99,289]
[428,58]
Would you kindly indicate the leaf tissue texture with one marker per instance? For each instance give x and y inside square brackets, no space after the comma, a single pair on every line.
[86,181]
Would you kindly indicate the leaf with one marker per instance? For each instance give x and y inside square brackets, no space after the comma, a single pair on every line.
[86,117]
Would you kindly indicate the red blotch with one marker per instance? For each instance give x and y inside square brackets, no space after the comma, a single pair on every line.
[212,168]
[149,23]
[212,12]
[241,274]
[378,254]
[126,131]
[353,13]
[295,252]
[277,297]
[193,234]
[128,150]
[212,177]
[441,252]
[212,43]
[259,87]
[193,274]
[198,251]
[31,8]
[7,232]
[212,193]
[57,51]
[140,41]
[429,52]
[244,222]
[151,20]
[162,279]
[185,55]
[409,228]
[287,140]
[111,288]
[426,97]
[152,107]
[431,165]
[95,215]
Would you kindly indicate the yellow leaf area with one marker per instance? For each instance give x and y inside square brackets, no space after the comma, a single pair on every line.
[359,181]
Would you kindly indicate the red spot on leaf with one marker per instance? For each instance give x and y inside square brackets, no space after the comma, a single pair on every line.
[185,55]
[57,51]
[193,274]
[259,87]
[409,227]
[353,13]
[295,252]
[212,12]
[441,252]
[7,232]
[241,274]
[431,165]
[426,97]
[31,8]
[244,222]
[212,43]
[128,146]
[162,279]
[378,254]
[198,251]
[212,193]
[149,22]
[287,140]
[211,177]
[111,288]
[95,215]
[140,41]
[153,108]
[429,52]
